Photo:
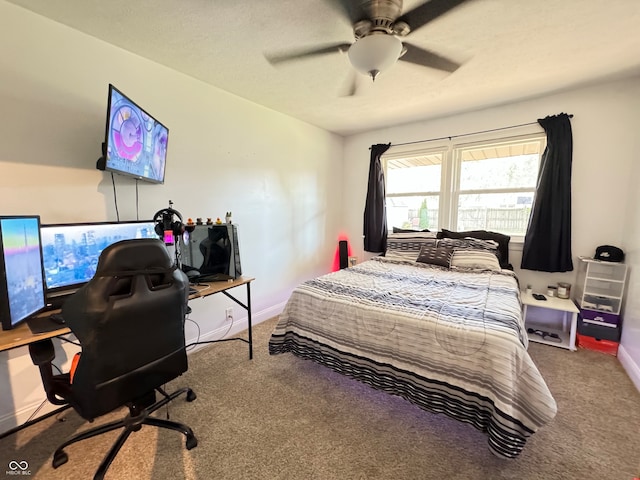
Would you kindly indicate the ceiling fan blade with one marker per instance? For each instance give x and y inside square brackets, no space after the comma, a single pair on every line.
[347,9]
[423,57]
[350,85]
[427,12]
[306,52]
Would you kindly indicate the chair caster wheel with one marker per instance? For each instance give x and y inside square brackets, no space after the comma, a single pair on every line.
[191,396]
[192,442]
[59,459]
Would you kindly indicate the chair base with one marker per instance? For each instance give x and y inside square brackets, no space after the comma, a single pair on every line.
[131,423]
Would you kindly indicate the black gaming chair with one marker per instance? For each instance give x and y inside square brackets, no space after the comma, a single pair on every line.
[129,320]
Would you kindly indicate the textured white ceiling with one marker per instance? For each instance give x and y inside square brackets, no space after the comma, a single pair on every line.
[510,49]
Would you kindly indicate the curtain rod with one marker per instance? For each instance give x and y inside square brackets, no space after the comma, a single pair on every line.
[466,134]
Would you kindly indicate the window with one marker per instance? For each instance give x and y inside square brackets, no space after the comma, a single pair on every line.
[486,185]
[413,186]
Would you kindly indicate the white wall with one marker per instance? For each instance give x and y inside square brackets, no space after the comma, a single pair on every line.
[629,354]
[605,177]
[278,176]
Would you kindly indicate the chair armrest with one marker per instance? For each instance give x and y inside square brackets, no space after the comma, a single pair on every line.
[56,387]
[42,352]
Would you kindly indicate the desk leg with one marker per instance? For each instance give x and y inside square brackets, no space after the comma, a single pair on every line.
[247,307]
[572,334]
[249,320]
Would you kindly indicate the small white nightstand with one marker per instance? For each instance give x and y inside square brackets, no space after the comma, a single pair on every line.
[533,312]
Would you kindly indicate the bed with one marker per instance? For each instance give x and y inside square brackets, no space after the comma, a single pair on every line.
[451,341]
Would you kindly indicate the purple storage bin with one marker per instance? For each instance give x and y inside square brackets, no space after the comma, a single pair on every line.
[600,318]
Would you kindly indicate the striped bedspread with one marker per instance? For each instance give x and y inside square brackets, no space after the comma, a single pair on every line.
[449,341]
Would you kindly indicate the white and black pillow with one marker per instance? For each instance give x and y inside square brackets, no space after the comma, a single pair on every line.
[470,244]
[468,259]
[408,245]
[501,239]
[440,256]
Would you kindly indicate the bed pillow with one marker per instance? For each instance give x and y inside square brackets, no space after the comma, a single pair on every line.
[408,230]
[470,244]
[475,260]
[408,245]
[415,234]
[501,239]
[440,256]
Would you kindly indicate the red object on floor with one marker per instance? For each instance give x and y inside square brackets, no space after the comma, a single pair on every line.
[605,346]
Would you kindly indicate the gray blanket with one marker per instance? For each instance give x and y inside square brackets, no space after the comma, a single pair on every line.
[449,341]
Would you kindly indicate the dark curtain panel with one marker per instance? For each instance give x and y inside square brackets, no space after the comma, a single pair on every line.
[547,244]
[375,213]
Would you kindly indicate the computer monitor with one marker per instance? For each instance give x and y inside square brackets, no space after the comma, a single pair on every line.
[213,251]
[21,275]
[71,251]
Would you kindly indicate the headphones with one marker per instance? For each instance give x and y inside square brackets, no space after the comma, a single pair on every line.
[164,221]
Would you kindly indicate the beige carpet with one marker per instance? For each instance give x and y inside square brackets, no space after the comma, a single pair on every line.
[280,417]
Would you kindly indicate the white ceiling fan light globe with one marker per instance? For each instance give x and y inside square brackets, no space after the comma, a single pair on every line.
[374,53]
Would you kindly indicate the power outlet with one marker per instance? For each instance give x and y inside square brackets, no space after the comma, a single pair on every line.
[229,314]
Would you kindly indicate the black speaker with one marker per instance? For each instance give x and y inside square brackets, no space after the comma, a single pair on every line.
[344,253]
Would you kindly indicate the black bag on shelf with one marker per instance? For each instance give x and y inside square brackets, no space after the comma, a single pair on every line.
[609,253]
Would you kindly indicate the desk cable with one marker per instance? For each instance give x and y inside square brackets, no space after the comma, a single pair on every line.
[192,345]
[203,287]
[32,418]
[35,412]
[221,339]
[45,401]
[69,341]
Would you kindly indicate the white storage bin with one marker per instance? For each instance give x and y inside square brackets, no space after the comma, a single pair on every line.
[600,285]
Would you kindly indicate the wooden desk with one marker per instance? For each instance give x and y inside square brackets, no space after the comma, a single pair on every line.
[22,336]
[210,288]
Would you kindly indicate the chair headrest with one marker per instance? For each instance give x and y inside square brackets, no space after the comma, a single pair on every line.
[140,255]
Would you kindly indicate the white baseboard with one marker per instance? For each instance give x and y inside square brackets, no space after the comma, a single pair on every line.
[18,417]
[267,313]
[237,327]
[631,367]
[11,420]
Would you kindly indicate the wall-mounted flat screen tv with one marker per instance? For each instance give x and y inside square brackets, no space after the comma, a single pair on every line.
[135,143]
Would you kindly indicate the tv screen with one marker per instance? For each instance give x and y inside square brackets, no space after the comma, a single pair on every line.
[21,275]
[71,251]
[135,142]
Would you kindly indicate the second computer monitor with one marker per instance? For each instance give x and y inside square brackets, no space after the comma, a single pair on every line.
[71,250]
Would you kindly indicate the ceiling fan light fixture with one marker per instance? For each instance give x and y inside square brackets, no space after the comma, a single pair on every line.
[375,53]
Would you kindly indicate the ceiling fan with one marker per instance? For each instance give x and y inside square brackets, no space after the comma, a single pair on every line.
[378,26]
